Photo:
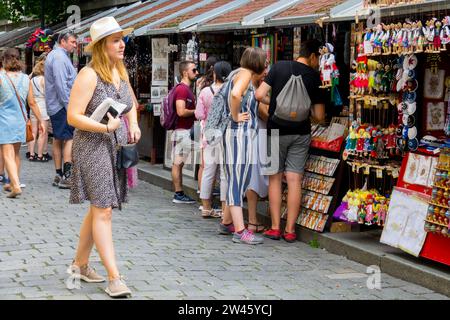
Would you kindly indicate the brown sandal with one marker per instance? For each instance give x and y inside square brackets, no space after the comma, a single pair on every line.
[257,227]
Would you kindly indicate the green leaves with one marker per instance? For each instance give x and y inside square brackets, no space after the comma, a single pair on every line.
[16,10]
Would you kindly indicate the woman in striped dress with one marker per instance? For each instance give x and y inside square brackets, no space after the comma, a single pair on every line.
[240,136]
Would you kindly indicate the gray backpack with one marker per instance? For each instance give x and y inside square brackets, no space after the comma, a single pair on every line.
[293,103]
[219,115]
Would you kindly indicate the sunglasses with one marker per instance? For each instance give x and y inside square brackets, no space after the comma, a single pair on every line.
[195,70]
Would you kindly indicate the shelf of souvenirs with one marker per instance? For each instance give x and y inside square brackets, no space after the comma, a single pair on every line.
[399,54]
[441,187]
[443,168]
[438,205]
[391,169]
[437,223]
[370,97]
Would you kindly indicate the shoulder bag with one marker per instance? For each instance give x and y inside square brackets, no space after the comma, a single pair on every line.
[28,127]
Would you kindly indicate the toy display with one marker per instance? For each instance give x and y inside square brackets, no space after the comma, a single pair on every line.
[438,215]
[431,36]
[365,207]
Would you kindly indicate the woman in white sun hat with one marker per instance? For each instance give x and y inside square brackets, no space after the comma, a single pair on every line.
[95,176]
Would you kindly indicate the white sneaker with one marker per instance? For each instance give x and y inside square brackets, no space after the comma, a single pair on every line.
[23,185]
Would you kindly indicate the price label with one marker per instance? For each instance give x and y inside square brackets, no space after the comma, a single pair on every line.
[366,170]
[395,173]
[379,173]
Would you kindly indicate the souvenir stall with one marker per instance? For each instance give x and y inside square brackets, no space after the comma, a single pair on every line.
[397,119]
[41,41]
[219,45]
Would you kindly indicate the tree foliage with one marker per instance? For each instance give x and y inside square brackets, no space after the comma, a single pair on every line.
[54,11]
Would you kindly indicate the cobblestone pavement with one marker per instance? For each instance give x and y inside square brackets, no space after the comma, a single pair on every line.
[166,251]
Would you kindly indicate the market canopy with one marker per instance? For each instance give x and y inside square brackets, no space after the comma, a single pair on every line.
[220,15]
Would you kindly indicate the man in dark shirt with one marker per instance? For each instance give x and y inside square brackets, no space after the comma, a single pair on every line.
[182,143]
[293,141]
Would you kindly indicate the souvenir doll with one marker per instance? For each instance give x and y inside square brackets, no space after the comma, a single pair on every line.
[445,33]
[405,39]
[373,143]
[414,37]
[323,74]
[377,42]
[411,45]
[368,47]
[361,213]
[360,141]
[390,140]
[382,211]
[353,75]
[385,41]
[421,37]
[430,35]
[369,210]
[437,37]
[351,140]
[399,39]
[367,137]
[386,79]
[327,65]
[380,145]
[394,35]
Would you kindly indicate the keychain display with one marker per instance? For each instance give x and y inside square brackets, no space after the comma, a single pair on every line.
[316,201]
[312,219]
[317,183]
[438,216]
[322,165]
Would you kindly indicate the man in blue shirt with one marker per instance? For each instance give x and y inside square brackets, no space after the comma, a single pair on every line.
[59,77]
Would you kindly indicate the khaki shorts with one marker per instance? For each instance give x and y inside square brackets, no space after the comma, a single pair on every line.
[182,146]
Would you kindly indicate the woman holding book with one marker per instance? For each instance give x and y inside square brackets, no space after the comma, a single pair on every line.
[95,175]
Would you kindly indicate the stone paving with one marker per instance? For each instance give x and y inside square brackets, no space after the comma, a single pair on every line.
[167,251]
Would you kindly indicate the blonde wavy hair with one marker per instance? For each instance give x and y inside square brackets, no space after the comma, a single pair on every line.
[39,68]
[101,63]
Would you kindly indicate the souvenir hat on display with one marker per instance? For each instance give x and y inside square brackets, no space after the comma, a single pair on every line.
[102,28]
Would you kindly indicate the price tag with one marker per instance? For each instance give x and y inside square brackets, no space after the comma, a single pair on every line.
[366,100]
[379,173]
[395,173]
[366,170]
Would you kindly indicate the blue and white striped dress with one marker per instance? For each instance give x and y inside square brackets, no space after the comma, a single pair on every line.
[238,146]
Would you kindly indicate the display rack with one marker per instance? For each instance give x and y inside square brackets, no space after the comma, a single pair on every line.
[322,187]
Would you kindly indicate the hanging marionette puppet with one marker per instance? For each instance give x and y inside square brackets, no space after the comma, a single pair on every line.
[329,70]
[437,36]
[386,39]
[445,33]
[421,37]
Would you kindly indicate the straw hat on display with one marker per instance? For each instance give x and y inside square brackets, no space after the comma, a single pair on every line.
[105,27]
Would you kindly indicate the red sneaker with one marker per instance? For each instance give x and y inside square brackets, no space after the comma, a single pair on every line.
[273,234]
[290,237]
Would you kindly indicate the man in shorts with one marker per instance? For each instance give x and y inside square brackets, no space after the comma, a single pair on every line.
[182,143]
[293,141]
[59,77]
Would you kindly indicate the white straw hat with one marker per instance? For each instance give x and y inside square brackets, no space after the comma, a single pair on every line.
[105,27]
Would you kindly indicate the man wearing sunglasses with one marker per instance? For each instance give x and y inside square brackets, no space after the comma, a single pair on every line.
[182,144]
